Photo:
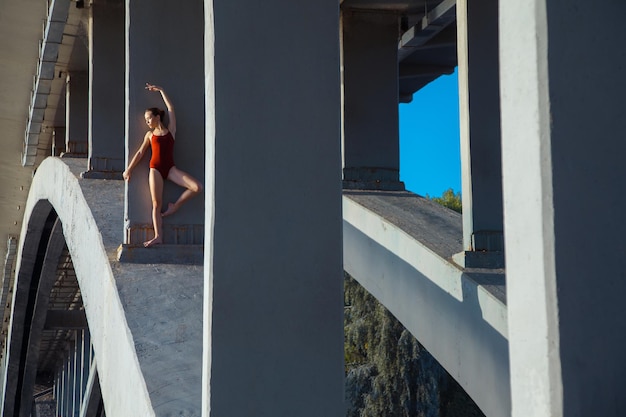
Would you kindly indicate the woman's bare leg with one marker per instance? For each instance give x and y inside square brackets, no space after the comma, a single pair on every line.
[156,192]
[192,185]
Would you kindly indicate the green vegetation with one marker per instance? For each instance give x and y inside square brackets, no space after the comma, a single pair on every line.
[388,373]
[449,199]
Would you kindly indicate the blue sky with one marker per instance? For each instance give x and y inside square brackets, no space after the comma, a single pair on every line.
[430,160]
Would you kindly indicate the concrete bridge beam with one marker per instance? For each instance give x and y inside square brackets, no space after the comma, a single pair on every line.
[370,104]
[479,110]
[273,289]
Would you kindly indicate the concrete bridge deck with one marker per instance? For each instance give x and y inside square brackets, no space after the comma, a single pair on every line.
[162,302]
[399,246]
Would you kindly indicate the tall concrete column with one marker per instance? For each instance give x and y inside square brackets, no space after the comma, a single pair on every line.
[106,86]
[563,170]
[479,110]
[164,46]
[76,114]
[370,104]
[273,336]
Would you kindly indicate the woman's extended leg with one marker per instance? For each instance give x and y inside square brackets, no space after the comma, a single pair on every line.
[192,185]
[156,192]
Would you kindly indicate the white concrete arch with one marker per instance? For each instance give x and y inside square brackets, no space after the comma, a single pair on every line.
[123,386]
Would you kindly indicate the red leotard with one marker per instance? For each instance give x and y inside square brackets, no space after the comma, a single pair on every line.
[162,153]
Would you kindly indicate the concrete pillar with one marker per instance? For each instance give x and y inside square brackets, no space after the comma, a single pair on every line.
[479,110]
[370,103]
[58,141]
[170,56]
[563,170]
[106,87]
[76,114]
[273,329]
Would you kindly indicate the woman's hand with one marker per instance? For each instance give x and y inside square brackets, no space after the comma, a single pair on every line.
[126,175]
[152,87]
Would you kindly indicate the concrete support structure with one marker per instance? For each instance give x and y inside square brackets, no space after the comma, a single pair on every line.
[173,59]
[370,78]
[273,288]
[563,160]
[77,114]
[106,86]
[479,109]
[273,259]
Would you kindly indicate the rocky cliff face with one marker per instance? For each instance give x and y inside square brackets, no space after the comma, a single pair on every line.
[388,372]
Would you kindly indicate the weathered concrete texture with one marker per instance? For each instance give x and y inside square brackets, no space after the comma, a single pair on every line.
[162,307]
[398,246]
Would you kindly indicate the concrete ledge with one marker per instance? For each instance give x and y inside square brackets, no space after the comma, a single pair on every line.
[162,254]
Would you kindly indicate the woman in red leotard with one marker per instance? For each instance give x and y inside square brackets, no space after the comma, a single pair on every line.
[161,140]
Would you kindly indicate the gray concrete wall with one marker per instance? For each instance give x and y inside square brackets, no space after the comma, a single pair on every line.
[165,47]
[273,339]
[562,113]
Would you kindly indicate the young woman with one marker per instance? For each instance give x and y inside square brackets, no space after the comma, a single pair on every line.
[160,139]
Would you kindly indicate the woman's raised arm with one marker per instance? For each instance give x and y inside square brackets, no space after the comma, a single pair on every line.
[168,103]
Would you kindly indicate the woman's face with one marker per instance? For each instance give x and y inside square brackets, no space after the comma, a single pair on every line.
[151,120]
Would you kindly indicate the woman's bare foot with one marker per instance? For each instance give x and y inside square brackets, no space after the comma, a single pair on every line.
[152,242]
[171,209]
